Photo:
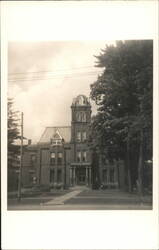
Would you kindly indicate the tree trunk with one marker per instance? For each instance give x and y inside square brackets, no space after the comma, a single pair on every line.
[128,164]
[140,166]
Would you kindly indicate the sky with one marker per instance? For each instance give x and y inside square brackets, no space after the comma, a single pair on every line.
[44,77]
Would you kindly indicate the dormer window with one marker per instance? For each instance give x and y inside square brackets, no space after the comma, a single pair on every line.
[56,139]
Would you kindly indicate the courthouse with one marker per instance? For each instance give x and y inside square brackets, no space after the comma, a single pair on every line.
[62,157]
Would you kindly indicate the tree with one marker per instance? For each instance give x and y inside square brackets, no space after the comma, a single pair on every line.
[13,149]
[123,94]
[13,131]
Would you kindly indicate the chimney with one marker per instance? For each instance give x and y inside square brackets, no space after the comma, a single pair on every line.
[29,142]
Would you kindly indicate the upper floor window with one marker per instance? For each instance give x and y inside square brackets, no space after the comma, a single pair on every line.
[78,136]
[81,116]
[84,158]
[52,158]
[78,116]
[33,159]
[79,156]
[84,136]
[59,158]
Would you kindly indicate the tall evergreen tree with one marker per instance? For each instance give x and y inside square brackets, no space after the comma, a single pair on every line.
[123,94]
[13,133]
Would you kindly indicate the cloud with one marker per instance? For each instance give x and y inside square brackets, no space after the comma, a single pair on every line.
[47,102]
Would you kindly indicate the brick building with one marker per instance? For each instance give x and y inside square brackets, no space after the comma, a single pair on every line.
[62,157]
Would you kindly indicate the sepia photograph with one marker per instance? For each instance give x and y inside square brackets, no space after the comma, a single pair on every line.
[80,125]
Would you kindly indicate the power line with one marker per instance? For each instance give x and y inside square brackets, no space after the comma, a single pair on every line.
[49,71]
[66,76]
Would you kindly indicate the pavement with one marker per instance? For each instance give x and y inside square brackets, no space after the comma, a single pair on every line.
[83,198]
[60,200]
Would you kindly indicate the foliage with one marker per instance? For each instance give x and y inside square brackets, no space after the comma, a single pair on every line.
[123,94]
[13,130]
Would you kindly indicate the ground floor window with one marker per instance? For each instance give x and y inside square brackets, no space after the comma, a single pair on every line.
[59,175]
[112,175]
[109,175]
[52,175]
[105,175]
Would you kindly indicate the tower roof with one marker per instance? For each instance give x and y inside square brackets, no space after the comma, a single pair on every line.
[81,100]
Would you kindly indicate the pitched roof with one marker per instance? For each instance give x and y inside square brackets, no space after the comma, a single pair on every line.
[49,132]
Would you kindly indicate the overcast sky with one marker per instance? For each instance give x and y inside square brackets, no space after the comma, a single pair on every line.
[44,77]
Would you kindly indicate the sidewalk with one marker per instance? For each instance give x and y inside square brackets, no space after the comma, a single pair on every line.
[60,200]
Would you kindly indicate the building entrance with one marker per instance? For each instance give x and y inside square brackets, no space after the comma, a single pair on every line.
[81,176]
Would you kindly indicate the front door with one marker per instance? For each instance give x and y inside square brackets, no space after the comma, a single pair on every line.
[81,176]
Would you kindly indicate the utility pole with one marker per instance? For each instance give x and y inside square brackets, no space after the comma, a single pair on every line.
[21,160]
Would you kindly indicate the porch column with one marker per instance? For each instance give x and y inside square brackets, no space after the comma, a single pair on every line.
[70,176]
[87,181]
[55,175]
[74,176]
[108,176]
[90,176]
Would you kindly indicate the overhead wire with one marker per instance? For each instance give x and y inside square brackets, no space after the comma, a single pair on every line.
[49,71]
[54,76]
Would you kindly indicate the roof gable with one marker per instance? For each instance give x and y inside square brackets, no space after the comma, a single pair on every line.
[52,132]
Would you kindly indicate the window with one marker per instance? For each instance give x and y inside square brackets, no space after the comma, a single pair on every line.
[59,158]
[79,156]
[56,142]
[78,136]
[83,117]
[84,137]
[59,175]
[84,156]
[33,159]
[105,175]
[78,117]
[52,158]
[111,175]
[52,175]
